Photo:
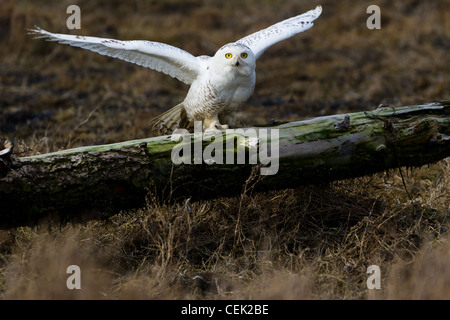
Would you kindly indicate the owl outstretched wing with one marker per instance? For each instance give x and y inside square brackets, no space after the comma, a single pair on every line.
[158,56]
[263,39]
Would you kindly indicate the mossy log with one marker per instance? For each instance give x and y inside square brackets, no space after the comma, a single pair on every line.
[104,179]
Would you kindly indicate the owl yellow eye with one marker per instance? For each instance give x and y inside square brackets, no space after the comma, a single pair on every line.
[244,55]
[228,55]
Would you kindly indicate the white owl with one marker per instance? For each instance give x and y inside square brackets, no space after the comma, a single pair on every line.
[219,84]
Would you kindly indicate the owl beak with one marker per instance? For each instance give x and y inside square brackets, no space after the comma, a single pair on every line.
[237,63]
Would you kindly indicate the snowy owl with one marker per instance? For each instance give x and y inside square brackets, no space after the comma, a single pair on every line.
[219,85]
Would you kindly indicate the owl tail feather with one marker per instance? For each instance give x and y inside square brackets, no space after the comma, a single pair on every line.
[170,120]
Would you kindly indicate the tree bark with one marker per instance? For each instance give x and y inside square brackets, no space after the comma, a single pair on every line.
[104,179]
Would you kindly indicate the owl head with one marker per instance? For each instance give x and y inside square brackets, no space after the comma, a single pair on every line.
[235,57]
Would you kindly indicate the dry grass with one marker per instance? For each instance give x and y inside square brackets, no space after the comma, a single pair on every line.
[312,242]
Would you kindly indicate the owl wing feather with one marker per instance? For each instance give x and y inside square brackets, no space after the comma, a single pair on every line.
[170,60]
[259,41]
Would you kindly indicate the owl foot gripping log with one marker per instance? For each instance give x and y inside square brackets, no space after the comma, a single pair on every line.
[219,84]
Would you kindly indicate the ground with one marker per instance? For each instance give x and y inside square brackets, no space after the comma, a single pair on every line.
[310,242]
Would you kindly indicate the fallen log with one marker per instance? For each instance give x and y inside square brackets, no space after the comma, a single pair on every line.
[106,178]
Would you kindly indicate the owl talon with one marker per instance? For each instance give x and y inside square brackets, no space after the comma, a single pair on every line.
[213,125]
[212,130]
